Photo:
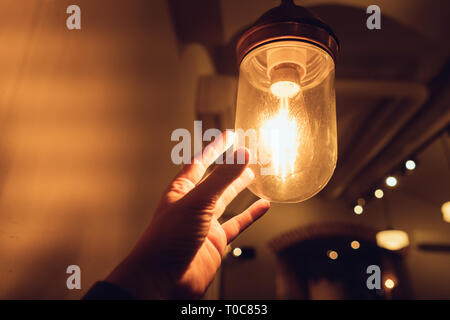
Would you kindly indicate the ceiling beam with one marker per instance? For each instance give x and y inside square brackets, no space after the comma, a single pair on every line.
[401,101]
[432,118]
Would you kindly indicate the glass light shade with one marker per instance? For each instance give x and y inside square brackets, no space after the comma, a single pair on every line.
[392,239]
[286,117]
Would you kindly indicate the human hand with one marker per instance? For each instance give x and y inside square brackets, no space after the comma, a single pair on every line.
[181,250]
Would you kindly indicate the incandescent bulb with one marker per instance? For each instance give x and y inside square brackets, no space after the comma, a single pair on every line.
[279,135]
[379,193]
[389,283]
[355,245]
[410,165]
[391,181]
[284,89]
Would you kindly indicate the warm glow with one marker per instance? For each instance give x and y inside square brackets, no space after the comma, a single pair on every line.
[379,193]
[389,283]
[391,181]
[280,138]
[237,252]
[410,165]
[446,211]
[358,209]
[282,89]
[392,239]
[285,116]
[333,255]
[355,244]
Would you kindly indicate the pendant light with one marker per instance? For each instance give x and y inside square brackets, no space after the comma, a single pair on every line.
[285,110]
[391,239]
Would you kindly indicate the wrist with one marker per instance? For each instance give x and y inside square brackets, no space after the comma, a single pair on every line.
[140,280]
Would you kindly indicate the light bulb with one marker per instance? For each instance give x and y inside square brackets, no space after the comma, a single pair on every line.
[392,239]
[358,209]
[355,245]
[333,255]
[280,141]
[445,208]
[286,117]
[391,181]
[379,193]
[389,283]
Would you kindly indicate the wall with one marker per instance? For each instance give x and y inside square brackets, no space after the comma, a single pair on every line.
[85,122]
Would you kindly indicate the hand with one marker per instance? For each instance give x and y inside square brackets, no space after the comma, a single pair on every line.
[181,250]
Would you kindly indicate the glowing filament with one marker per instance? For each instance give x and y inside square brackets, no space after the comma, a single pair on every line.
[280,139]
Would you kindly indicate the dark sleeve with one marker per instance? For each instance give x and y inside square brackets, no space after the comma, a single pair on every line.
[103,290]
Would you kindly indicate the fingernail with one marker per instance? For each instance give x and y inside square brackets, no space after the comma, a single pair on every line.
[265,202]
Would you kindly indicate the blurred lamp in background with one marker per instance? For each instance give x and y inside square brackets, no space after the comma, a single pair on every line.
[379,193]
[391,181]
[446,211]
[358,209]
[389,283]
[333,255]
[410,165]
[355,245]
[392,239]
[285,109]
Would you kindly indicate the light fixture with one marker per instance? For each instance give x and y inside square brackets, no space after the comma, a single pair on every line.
[333,255]
[237,252]
[355,245]
[358,209]
[378,193]
[410,165]
[391,181]
[392,239]
[285,112]
[389,283]
[446,211]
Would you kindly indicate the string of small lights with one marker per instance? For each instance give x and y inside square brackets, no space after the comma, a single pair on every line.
[390,238]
